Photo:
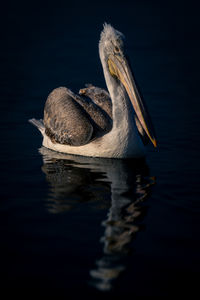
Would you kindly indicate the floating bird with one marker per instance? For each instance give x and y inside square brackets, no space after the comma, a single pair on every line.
[97,123]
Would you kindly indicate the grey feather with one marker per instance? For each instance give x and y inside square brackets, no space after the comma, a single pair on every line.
[74,120]
[64,119]
[99,96]
[38,123]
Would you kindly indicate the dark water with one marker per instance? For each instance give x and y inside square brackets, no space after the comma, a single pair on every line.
[100,226]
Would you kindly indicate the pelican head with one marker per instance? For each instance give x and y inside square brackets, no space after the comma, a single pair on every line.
[117,71]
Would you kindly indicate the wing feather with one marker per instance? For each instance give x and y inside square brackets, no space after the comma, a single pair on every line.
[64,119]
[99,96]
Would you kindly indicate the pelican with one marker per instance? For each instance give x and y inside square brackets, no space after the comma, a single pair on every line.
[97,123]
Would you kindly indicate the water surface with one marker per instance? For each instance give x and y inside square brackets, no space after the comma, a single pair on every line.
[100,226]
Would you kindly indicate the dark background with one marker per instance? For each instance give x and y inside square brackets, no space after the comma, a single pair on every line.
[46,45]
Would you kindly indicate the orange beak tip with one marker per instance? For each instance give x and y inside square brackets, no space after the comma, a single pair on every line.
[154,143]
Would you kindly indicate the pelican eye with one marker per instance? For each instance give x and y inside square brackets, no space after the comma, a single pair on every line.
[116,49]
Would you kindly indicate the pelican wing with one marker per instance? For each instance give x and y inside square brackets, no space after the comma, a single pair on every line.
[99,96]
[64,119]
[73,120]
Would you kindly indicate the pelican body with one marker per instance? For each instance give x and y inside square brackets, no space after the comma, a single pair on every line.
[97,123]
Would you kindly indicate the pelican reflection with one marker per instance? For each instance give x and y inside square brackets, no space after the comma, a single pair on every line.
[120,186]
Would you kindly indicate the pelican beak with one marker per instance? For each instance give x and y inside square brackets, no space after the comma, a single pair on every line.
[119,67]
